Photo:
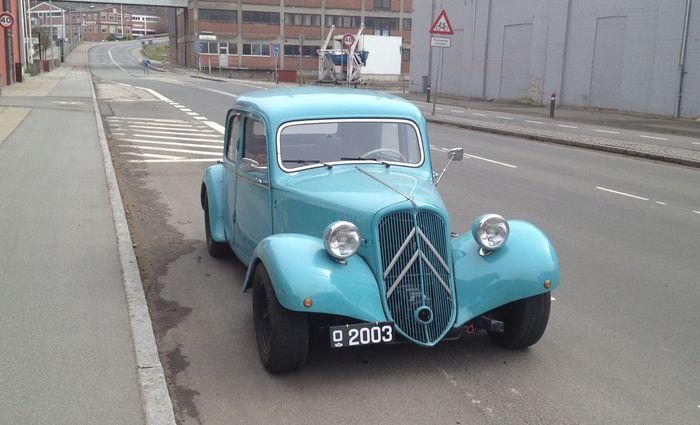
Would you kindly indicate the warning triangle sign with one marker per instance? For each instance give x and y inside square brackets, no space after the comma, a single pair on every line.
[442,25]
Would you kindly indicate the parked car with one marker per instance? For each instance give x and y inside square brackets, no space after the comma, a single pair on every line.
[328,196]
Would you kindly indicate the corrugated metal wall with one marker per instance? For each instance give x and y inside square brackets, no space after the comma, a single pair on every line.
[618,54]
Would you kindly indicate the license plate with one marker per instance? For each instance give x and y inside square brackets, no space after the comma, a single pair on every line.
[361,334]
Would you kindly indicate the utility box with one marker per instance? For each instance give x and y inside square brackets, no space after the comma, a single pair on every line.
[384,61]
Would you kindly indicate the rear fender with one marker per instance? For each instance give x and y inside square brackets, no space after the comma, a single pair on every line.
[300,267]
[515,271]
[213,184]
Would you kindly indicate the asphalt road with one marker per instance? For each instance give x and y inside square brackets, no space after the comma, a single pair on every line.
[623,342]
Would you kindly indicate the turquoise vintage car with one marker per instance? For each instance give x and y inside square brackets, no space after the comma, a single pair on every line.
[330,199]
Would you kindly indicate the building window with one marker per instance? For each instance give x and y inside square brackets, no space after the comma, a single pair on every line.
[306,51]
[407,24]
[219,47]
[213,15]
[382,4]
[343,21]
[103,16]
[405,54]
[256,49]
[382,26]
[250,17]
[300,19]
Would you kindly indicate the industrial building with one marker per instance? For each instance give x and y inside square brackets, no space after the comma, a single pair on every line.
[10,43]
[244,31]
[629,55]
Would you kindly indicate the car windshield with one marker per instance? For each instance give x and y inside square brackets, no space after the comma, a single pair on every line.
[318,143]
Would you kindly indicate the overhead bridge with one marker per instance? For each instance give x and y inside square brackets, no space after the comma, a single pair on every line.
[166,3]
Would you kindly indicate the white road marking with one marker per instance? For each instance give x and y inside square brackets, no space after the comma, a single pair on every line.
[145,119]
[172,150]
[111,58]
[652,137]
[216,126]
[154,93]
[504,118]
[441,149]
[607,131]
[201,118]
[554,299]
[566,126]
[438,109]
[183,109]
[457,111]
[185,129]
[438,148]
[175,160]
[161,125]
[192,113]
[534,122]
[117,134]
[420,106]
[151,155]
[622,193]
[478,114]
[187,145]
[661,203]
[696,212]
[190,139]
[178,132]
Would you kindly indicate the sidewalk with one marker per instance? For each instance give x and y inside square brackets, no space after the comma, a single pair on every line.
[66,350]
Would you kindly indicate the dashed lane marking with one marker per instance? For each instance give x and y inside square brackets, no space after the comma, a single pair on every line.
[652,137]
[478,114]
[200,118]
[696,212]
[151,155]
[566,126]
[145,119]
[216,126]
[481,158]
[186,145]
[661,203]
[457,111]
[191,139]
[504,118]
[167,130]
[606,131]
[534,122]
[175,160]
[617,192]
[217,154]
[192,113]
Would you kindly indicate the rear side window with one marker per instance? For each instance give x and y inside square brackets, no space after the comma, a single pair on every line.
[255,143]
[233,134]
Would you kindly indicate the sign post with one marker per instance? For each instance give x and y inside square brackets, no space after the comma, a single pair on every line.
[440,28]
[301,44]
[276,52]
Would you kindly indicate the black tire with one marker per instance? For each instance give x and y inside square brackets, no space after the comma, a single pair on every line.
[524,322]
[282,335]
[216,249]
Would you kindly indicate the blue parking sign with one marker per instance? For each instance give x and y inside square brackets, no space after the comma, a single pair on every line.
[276,49]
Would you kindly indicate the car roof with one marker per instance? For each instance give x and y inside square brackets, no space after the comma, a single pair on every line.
[303,103]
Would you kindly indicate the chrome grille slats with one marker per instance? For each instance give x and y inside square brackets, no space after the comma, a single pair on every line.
[413,251]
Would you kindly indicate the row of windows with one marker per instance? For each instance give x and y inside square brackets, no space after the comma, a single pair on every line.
[382,23]
[382,4]
[302,19]
[293,50]
[218,15]
[254,49]
[343,21]
[250,17]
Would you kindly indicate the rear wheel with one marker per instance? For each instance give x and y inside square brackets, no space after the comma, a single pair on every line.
[216,249]
[524,321]
[282,335]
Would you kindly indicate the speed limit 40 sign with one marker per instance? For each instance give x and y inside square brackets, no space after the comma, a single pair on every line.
[6,20]
[348,40]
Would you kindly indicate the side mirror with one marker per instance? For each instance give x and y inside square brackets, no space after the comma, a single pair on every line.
[455,154]
[248,165]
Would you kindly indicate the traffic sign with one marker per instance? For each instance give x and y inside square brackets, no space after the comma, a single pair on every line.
[150,42]
[276,49]
[146,63]
[348,40]
[442,25]
[6,20]
[440,41]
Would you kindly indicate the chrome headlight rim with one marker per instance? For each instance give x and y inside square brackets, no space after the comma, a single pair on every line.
[481,224]
[332,231]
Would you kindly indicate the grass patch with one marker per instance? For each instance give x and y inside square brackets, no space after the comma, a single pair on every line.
[156,52]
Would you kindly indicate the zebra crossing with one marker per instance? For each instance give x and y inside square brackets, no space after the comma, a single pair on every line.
[160,140]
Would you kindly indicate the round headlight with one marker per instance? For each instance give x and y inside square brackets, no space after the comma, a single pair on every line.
[342,239]
[490,231]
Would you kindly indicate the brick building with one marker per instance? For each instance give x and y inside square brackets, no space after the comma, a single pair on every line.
[98,24]
[10,44]
[245,30]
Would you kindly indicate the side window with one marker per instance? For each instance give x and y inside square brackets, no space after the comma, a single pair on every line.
[255,142]
[233,133]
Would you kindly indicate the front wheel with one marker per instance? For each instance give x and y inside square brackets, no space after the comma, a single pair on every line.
[524,321]
[282,335]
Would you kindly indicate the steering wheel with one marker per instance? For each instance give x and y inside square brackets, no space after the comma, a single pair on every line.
[374,151]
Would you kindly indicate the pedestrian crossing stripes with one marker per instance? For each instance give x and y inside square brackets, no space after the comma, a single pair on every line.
[167,141]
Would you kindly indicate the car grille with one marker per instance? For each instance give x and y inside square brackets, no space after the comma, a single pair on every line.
[413,248]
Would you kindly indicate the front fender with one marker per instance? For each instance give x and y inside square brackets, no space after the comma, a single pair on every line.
[299,268]
[213,183]
[515,271]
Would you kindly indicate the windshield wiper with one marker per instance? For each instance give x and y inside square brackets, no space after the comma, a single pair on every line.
[308,161]
[359,158]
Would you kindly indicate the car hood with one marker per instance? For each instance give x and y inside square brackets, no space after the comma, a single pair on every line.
[311,200]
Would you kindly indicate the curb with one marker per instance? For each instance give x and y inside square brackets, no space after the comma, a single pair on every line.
[567,142]
[157,406]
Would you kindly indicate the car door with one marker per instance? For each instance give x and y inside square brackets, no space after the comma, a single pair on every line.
[252,221]
[232,138]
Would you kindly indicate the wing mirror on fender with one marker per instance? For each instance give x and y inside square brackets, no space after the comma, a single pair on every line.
[248,165]
[454,154]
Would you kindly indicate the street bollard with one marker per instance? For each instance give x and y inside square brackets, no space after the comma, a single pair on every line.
[427,99]
[552,103]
